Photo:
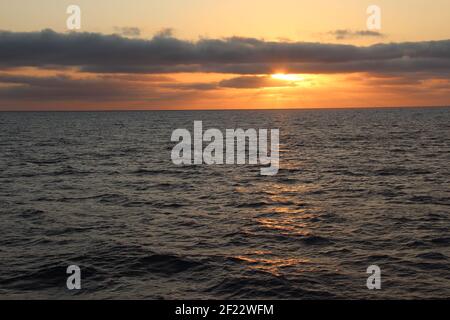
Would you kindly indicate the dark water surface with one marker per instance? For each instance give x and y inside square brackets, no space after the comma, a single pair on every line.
[99,190]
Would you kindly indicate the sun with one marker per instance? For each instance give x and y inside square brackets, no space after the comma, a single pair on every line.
[287,77]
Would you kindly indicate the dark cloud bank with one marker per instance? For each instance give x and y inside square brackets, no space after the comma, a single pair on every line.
[165,54]
[128,31]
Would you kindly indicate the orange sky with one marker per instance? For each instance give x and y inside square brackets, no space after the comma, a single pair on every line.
[224,54]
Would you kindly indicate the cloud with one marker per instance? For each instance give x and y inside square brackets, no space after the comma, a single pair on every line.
[128,31]
[164,33]
[252,82]
[343,34]
[136,77]
[16,89]
[93,52]
[202,86]
[63,87]
[242,82]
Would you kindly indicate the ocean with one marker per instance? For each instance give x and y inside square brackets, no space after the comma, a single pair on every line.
[356,187]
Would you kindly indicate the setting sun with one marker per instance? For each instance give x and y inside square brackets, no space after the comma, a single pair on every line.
[287,77]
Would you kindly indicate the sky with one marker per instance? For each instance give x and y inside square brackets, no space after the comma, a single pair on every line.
[216,54]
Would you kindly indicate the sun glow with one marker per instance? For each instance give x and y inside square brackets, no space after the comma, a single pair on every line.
[287,77]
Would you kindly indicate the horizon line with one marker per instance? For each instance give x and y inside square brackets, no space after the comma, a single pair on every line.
[233,109]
